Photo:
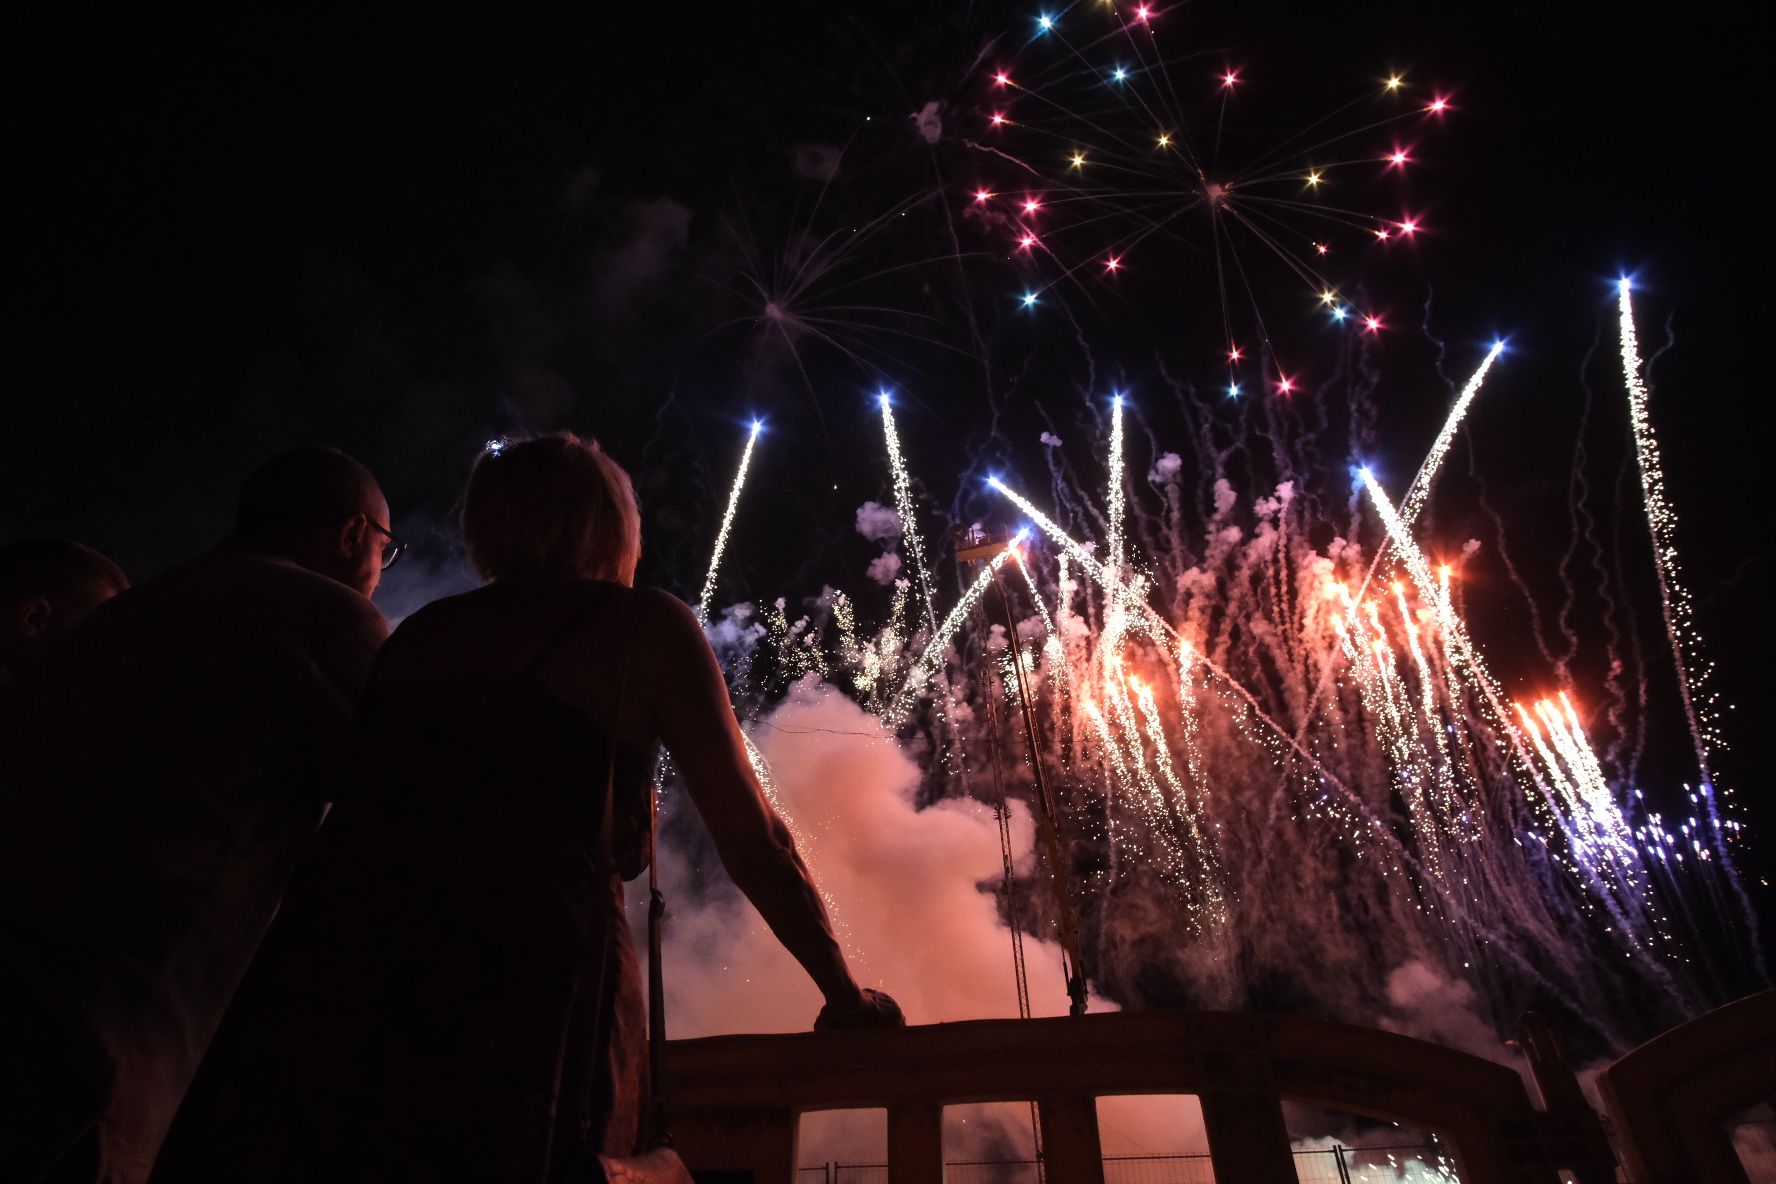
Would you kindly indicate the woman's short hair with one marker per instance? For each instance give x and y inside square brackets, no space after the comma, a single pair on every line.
[551,505]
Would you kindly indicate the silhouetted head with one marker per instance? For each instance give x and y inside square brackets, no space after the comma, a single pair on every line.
[551,505]
[320,509]
[46,587]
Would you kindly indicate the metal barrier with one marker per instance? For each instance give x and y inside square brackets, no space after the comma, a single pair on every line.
[1333,1165]
[737,1099]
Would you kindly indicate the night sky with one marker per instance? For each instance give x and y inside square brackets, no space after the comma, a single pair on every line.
[405,236]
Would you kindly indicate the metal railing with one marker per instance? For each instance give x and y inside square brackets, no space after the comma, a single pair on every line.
[1333,1165]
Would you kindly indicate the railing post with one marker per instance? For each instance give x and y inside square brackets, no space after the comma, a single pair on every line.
[915,1143]
[1344,1174]
[762,1142]
[1248,1140]
[1070,1147]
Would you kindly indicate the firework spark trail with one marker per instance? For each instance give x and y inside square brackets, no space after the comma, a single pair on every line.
[1453,805]
[1680,628]
[1584,807]
[1417,495]
[1419,492]
[932,658]
[1459,650]
[1207,894]
[1051,640]
[1114,494]
[1123,596]
[1692,671]
[727,524]
[1160,628]
[903,505]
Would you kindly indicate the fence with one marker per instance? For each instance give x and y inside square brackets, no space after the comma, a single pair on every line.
[1332,1165]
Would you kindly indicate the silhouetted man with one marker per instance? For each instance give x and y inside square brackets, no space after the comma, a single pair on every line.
[172,765]
[47,586]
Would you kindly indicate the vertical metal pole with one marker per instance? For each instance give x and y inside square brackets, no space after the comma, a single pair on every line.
[1045,811]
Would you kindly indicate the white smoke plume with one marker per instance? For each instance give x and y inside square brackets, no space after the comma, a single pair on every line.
[905,886]
[878,523]
[928,121]
[884,568]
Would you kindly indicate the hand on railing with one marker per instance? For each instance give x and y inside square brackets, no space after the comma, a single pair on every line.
[870,1009]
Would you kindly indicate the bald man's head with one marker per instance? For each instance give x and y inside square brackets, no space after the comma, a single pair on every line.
[319,508]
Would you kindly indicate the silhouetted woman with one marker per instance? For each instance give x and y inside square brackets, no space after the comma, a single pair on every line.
[450,992]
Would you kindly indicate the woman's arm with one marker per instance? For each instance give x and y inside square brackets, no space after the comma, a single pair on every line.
[694,717]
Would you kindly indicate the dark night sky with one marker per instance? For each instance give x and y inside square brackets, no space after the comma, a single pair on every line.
[406,235]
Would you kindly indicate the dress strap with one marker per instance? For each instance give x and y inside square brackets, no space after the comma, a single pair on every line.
[552,643]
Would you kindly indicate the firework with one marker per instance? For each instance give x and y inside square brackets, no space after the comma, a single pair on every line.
[1097,153]
[1420,490]
[727,523]
[903,505]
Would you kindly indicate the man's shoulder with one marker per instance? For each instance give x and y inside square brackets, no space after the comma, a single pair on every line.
[229,592]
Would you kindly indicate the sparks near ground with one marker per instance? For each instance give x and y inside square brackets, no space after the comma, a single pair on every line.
[1487,824]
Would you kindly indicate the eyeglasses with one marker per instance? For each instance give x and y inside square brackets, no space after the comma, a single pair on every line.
[391,550]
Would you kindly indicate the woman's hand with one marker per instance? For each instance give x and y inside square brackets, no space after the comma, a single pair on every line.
[869,1009]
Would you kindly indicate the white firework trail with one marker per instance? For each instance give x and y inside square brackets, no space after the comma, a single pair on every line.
[1692,670]
[1115,494]
[1692,667]
[932,658]
[727,524]
[1419,492]
[903,505]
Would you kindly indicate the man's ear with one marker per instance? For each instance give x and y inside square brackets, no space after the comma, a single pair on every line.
[351,535]
[35,618]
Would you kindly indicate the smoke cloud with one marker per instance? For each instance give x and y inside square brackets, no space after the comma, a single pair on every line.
[928,121]
[905,886]
[878,523]
[884,568]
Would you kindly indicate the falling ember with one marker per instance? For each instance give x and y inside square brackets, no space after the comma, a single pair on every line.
[727,523]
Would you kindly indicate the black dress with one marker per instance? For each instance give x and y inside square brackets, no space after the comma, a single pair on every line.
[450,992]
